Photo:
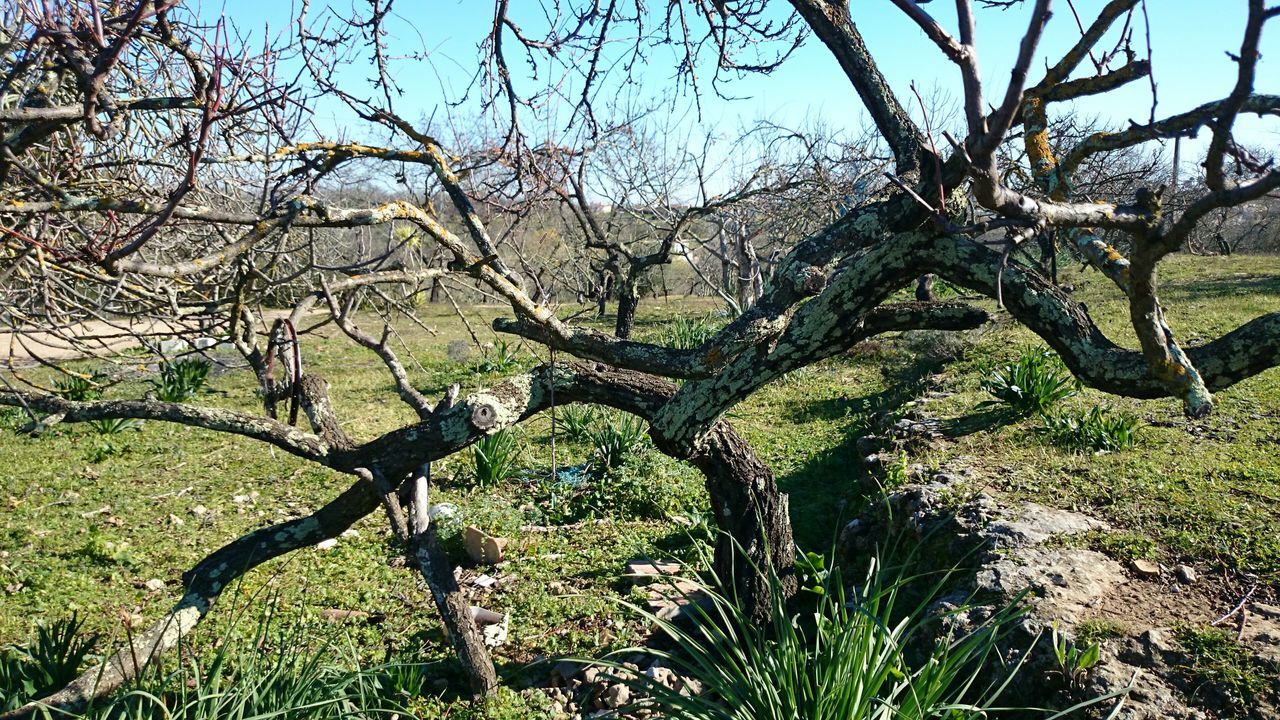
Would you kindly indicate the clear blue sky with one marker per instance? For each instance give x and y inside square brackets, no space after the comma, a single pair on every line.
[1189,37]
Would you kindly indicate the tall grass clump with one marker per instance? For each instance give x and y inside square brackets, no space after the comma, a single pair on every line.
[77,388]
[686,333]
[575,421]
[618,437]
[1032,384]
[495,457]
[243,680]
[1094,429]
[849,657]
[501,358]
[29,672]
[181,380]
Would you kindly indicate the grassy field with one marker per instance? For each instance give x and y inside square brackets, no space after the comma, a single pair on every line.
[89,519]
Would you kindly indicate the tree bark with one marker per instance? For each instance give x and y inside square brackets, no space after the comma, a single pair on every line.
[924,288]
[628,301]
[752,516]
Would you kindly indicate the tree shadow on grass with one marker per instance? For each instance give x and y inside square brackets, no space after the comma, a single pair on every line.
[833,484]
[979,421]
[1223,287]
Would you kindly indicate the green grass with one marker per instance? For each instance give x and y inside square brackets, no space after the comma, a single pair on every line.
[1219,665]
[83,528]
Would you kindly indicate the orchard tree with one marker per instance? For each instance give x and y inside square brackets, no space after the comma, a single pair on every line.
[151,170]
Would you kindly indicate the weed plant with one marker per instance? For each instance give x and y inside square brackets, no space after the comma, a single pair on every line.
[181,380]
[847,658]
[1032,384]
[1094,429]
[495,457]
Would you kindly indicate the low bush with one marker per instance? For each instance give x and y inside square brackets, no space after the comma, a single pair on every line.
[1033,383]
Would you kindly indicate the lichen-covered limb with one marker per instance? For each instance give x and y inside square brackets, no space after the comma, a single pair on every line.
[845,313]
[1181,125]
[1067,327]
[203,584]
[285,437]
[1166,360]
[591,344]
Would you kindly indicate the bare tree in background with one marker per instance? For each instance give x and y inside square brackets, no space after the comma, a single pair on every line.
[148,171]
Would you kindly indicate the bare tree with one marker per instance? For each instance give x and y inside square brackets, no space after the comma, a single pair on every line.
[94,221]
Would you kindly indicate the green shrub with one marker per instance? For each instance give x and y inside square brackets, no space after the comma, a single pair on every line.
[619,436]
[29,672]
[181,380]
[575,421]
[495,457]
[1217,661]
[1032,384]
[501,358]
[1094,429]
[849,658]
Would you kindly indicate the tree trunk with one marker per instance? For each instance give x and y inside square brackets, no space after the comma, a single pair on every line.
[753,519]
[750,282]
[628,301]
[924,288]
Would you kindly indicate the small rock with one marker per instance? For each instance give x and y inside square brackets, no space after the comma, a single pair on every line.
[1186,574]
[176,521]
[617,696]
[329,544]
[154,585]
[1145,568]
[199,510]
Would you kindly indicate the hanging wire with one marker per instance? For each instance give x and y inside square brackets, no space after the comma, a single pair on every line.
[555,470]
